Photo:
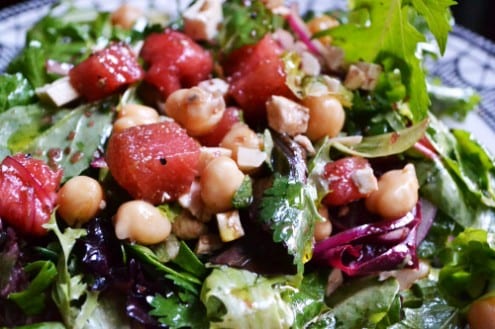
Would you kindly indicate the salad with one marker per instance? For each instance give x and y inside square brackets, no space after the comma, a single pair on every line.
[241,165]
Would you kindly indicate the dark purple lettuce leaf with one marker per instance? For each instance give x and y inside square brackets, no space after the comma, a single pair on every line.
[101,256]
[373,247]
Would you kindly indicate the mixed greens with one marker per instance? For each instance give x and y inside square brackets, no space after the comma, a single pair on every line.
[276,276]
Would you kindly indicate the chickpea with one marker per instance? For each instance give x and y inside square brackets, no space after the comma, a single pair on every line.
[323,229]
[196,109]
[481,314]
[138,110]
[79,200]
[397,193]
[322,23]
[131,115]
[219,181]
[326,116]
[125,16]
[141,222]
[240,135]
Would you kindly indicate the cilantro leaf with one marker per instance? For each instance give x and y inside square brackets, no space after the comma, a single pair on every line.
[179,311]
[288,208]
[244,194]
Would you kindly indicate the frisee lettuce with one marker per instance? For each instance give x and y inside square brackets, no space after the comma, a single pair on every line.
[240,299]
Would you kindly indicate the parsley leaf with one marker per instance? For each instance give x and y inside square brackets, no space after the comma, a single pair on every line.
[180,311]
[288,208]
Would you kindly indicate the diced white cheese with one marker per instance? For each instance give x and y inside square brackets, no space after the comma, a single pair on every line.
[215,86]
[286,116]
[206,154]
[229,225]
[365,180]
[362,75]
[249,158]
[59,92]
[191,200]
[202,19]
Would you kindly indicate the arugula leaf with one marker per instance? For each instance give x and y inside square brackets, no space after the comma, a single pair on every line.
[14,90]
[21,124]
[243,197]
[74,138]
[385,144]
[246,23]
[469,268]
[180,311]
[235,298]
[288,208]
[32,300]
[390,37]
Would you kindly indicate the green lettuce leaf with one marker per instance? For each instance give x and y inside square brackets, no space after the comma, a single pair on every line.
[242,299]
[452,101]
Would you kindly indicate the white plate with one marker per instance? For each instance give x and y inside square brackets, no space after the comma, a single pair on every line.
[468,62]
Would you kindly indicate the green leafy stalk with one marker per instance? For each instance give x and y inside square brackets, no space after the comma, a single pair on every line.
[32,300]
[70,289]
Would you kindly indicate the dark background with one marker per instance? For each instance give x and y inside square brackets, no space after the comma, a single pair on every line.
[476,15]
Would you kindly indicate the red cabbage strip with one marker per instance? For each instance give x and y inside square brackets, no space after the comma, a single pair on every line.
[369,248]
[299,28]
